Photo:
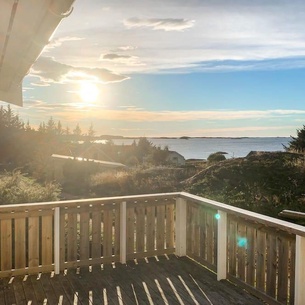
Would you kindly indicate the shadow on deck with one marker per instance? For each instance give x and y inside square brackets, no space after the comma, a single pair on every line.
[157,280]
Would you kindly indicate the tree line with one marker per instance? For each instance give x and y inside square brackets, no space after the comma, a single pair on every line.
[27,148]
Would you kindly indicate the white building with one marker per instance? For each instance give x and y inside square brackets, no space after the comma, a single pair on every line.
[175,158]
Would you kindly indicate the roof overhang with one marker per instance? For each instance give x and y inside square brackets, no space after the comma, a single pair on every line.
[26,27]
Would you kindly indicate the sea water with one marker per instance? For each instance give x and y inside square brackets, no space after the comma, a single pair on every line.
[201,148]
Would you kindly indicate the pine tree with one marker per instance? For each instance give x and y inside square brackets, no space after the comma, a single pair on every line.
[297,143]
[77,131]
[51,126]
[28,126]
[59,130]
[42,127]
[91,131]
[10,120]
[67,131]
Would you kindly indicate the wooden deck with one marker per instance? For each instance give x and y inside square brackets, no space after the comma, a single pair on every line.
[157,280]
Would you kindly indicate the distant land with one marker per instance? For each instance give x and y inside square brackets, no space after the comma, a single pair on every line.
[202,147]
[109,137]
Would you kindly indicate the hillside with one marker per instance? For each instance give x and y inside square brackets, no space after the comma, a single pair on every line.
[263,182]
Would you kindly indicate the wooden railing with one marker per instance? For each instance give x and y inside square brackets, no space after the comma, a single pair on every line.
[260,253]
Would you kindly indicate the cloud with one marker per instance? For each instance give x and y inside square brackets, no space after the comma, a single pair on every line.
[40,84]
[166,24]
[259,131]
[244,128]
[131,107]
[132,129]
[127,48]
[225,115]
[41,105]
[59,41]
[232,30]
[24,89]
[122,59]
[50,71]
[112,56]
[132,114]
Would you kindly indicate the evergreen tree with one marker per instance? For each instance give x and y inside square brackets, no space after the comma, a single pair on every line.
[42,127]
[28,126]
[77,132]
[51,126]
[144,148]
[91,131]
[297,143]
[59,129]
[10,120]
[67,131]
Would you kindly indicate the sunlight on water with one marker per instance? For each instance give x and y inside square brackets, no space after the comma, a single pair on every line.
[202,147]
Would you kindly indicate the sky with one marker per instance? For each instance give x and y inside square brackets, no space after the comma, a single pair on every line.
[226,68]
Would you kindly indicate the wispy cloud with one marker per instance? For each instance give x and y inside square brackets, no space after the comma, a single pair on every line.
[166,24]
[131,108]
[132,129]
[259,131]
[131,114]
[24,89]
[40,84]
[50,70]
[36,105]
[232,130]
[121,58]
[112,56]
[238,31]
[127,48]
[59,41]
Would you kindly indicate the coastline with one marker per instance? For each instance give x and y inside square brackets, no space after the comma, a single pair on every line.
[202,147]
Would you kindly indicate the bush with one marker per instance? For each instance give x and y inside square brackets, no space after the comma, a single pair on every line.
[17,188]
[265,183]
[216,157]
[138,181]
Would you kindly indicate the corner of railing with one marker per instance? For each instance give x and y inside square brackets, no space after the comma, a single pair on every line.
[180,226]
[183,195]
[299,270]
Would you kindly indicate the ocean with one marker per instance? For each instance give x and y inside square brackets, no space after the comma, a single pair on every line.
[201,148]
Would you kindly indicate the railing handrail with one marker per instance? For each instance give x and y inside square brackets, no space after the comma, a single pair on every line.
[246,214]
[64,203]
[256,217]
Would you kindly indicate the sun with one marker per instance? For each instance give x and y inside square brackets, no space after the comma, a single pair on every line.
[88,92]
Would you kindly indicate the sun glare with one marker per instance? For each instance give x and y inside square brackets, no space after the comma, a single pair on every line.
[88,92]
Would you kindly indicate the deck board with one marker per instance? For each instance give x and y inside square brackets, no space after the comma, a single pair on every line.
[162,280]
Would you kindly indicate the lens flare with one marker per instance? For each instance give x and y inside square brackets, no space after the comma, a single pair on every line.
[242,242]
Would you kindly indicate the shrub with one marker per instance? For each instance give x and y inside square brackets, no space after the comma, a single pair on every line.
[266,183]
[137,181]
[17,188]
[217,157]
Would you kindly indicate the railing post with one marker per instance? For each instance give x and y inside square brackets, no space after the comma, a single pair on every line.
[221,245]
[299,291]
[57,240]
[180,227]
[123,216]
